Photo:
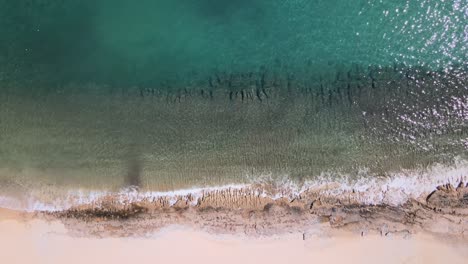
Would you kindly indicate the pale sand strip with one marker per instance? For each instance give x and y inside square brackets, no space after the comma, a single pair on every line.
[27,240]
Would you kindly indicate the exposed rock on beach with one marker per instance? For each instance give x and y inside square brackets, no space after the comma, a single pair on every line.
[245,211]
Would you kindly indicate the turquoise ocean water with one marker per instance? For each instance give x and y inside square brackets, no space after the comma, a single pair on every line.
[164,95]
[122,43]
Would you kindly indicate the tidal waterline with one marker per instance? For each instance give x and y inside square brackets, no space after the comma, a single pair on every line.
[166,95]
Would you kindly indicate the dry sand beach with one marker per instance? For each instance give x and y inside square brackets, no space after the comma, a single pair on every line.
[25,239]
[231,227]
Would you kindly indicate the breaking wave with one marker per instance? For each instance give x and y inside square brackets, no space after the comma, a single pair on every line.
[395,189]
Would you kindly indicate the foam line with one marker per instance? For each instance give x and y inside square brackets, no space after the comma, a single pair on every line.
[394,189]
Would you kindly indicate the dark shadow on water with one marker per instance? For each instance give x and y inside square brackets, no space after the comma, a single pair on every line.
[134,168]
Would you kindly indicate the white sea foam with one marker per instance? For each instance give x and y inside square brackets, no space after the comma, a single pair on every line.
[366,189]
[397,188]
[127,195]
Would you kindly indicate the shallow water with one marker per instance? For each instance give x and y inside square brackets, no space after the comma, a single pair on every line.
[168,95]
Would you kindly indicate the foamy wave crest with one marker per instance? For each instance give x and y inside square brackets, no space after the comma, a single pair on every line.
[366,189]
[126,195]
[397,188]
[394,189]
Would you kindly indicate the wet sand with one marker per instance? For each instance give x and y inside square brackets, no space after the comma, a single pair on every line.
[26,239]
[218,230]
[442,212]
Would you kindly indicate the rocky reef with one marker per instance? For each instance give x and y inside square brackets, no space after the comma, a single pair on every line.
[443,212]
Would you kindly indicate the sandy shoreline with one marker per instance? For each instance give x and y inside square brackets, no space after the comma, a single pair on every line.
[26,239]
[442,212]
[236,226]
